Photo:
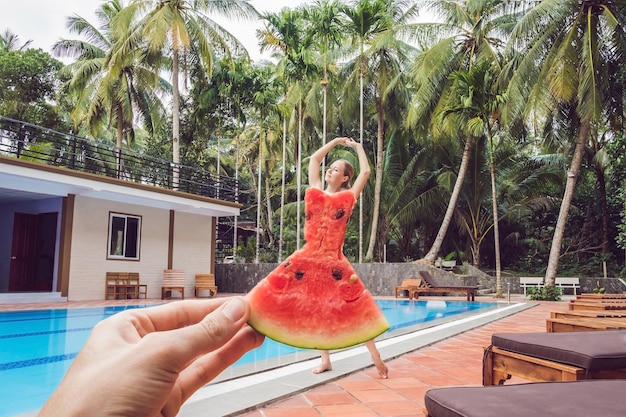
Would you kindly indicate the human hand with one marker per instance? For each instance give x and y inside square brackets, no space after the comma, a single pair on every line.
[148,362]
[348,142]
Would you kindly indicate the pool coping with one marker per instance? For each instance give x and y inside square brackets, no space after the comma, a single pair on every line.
[231,397]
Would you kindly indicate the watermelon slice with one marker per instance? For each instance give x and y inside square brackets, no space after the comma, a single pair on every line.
[314,299]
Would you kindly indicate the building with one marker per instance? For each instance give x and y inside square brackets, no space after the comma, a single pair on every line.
[72,209]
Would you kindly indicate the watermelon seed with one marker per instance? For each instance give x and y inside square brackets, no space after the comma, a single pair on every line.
[339,214]
[299,275]
[337,274]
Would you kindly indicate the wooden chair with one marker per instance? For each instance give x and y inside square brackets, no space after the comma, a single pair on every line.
[173,280]
[205,282]
[124,285]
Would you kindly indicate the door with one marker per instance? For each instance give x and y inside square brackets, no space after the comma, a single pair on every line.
[32,252]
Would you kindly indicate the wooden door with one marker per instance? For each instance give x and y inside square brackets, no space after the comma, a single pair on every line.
[33,252]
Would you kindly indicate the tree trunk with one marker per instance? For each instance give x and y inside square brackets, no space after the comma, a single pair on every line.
[570,185]
[282,193]
[175,121]
[268,204]
[378,185]
[604,211]
[431,256]
[496,230]
[299,174]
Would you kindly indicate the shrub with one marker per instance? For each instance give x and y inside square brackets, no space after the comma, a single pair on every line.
[547,293]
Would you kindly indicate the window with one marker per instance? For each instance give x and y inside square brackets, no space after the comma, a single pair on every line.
[124,236]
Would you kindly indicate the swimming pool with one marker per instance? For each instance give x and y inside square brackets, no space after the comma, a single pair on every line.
[38,346]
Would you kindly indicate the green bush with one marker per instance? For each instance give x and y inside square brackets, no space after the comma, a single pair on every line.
[548,293]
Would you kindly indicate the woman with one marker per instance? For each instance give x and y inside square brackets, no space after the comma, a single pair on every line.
[337,178]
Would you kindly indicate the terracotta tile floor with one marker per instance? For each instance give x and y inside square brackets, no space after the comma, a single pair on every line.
[453,361]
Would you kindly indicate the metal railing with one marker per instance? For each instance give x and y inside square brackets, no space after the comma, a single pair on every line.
[38,144]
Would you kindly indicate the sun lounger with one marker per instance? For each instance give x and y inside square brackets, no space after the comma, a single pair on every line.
[581,324]
[593,296]
[408,285]
[596,305]
[556,399]
[584,313]
[555,356]
[430,286]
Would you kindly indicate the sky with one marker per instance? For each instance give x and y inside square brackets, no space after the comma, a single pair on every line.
[43,21]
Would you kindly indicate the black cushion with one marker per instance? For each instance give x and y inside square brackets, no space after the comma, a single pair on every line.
[567,399]
[593,350]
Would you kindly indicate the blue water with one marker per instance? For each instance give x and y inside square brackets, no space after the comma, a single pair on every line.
[38,346]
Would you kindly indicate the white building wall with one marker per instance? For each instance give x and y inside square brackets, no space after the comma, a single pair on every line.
[193,250]
[89,264]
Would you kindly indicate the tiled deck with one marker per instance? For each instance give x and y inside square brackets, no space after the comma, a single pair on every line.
[456,360]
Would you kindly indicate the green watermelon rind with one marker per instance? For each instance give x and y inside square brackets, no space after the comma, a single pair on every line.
[279,334]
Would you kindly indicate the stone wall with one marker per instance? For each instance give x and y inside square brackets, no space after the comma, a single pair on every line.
[381,279]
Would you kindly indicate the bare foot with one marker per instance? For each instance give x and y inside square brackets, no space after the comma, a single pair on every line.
[323,367]
[383,371]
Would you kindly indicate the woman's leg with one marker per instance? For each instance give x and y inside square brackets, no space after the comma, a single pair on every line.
[325,365]
[383,371]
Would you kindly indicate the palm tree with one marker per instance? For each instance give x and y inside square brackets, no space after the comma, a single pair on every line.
[9,42]
[479,107]
[565,47]
[326,29]
[110,91]
[374,25]
[285,34]
[471,31]
[184,30]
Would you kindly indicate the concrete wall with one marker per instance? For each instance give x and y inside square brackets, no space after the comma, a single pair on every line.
[381,279]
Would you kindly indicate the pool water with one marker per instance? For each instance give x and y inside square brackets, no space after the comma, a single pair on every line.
[38,346]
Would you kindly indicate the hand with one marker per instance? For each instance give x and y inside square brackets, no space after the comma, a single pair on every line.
[348,142]
[148,362]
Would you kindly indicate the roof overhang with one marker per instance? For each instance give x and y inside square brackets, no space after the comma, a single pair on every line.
[37,181]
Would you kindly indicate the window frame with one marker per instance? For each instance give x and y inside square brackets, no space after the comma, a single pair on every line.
[110,246]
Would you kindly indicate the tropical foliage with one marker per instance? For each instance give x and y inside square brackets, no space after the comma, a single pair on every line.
[494,128]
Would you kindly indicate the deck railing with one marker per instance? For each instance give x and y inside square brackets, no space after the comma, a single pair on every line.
[38,144]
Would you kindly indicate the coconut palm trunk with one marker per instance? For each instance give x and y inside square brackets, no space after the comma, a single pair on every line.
[431,256]
[175,120]
[570,185]
[378,184]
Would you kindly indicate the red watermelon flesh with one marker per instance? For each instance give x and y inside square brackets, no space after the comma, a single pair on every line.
[314,299]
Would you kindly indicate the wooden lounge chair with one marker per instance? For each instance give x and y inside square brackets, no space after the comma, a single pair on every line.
[430,286]
[583,324]
[205,282]
[585,313]
[556,399]
[568,356]
[173,280]
[596,305]
[593,296]
[408,285]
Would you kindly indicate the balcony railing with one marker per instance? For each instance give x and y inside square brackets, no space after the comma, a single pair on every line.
[38,144]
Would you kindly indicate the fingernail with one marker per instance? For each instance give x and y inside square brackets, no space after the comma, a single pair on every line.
[234,309]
